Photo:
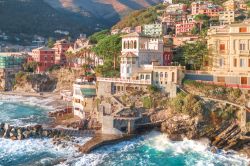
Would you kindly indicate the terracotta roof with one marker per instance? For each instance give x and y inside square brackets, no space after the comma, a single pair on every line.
[44,49]
[134,34]
[128,55]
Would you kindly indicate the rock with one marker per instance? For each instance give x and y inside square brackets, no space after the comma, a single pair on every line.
[20,137]
[45,133]
[13,138]
[1,132]
[1,125]
[6,126]
[6,134]
[13,132]
[26,134]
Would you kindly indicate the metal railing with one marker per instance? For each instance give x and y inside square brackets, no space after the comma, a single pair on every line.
[128,81]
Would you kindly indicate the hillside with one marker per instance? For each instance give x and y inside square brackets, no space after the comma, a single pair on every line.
[22,19]
[111,10]
[25,18]
[140,17]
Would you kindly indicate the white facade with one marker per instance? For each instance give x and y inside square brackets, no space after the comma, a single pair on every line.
[82,103]
[227,17]
[139,50]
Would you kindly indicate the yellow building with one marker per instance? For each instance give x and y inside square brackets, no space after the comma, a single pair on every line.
[230,5]
[230,50]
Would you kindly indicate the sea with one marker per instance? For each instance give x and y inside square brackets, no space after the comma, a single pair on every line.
[151,149]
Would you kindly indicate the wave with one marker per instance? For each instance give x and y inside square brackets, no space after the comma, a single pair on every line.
[37,151]
[31,101]
[156,149]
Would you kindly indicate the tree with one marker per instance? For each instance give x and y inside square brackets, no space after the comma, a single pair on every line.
[194,54]
[201,19]
[51,42]
[195,30]
[30,66]
[109,48]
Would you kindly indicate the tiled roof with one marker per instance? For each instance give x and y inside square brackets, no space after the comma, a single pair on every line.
[44,49]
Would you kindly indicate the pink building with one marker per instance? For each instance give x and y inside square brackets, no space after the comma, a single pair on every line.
[207,8]
[60,47]
[167,56]
[184,27]
[138,29]
[45,57]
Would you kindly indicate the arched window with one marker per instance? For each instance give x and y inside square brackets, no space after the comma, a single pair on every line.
[131,45]
[135,44]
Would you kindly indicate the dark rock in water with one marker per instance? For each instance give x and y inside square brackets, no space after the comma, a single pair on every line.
[13,132]
[1,132]
[6,126]
[6,134]
[26,134]
[1,125]
[20,137]
[45,133]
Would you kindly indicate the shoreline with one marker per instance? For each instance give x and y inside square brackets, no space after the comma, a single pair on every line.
[48,100]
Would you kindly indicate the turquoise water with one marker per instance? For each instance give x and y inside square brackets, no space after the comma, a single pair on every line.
[21,114]
[153,149]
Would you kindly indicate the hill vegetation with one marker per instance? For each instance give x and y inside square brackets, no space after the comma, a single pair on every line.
[26,18]
[140,17]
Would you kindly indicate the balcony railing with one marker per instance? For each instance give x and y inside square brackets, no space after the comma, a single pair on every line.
[127,81]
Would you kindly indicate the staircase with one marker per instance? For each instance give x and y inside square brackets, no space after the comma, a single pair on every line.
[228,138]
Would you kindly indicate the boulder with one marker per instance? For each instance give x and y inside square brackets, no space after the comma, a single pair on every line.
[1,132]
[6,126]
[26,134]
[13,132]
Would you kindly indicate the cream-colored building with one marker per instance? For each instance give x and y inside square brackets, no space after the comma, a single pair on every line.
[230,50]
[227,17]
[137,50]
[84,93]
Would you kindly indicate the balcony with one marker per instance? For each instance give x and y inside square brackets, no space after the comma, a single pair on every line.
[128,81]
[244,52]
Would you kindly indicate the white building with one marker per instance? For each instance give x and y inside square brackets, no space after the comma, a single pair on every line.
[84,92]
[227,17]
[138,50]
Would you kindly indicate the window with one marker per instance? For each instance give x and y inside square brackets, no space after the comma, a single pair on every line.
[124,45]
[166,75]
[235,62]
[242,63]
[156,74]
[243,80]
[221,79]
[131,45]
[135,44]
[147,77]
[242,46]
[222,47]
[173,75]
[243,29]
[128,70]
[142,77]
[248,62]
[161,74]
[221,62]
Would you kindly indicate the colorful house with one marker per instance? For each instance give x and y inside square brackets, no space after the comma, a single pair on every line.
[60,47]
[45,57]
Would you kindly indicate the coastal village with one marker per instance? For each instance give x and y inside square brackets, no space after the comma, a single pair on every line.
[189,67]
